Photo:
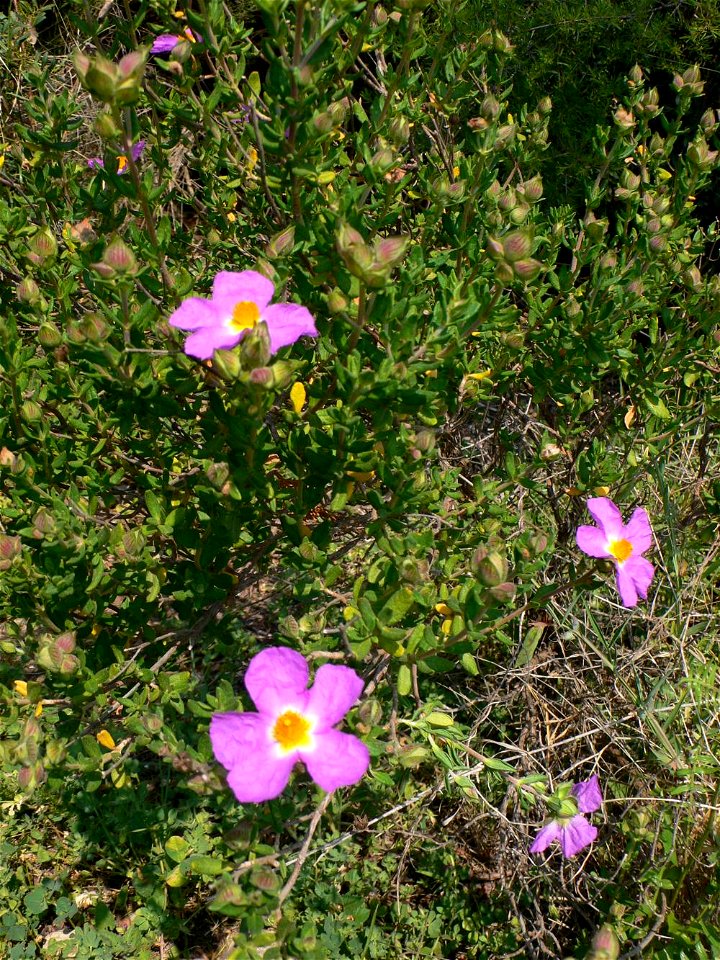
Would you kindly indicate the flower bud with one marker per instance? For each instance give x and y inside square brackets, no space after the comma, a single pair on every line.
[355,253]
[505,136]
[323,122]
[120,258]
[336,301]
[605,945]
[545,106]
[594,228]
[262,377]
[494,249]
[700,156]
[399,131]
[255,347]
[56,653]
[27,291]
[107,128]
[608,261]
[527,270]
[517,245]
[31,411]
[490,107]
[624,118]
[281,244]
[504,592]
[657,244]
[382,160]
[101,78]
[11,461]
[636,75]
[519,213]
[649,103]
[227,364]
[508,200]
[692,278]
[390,250]
[10,548]
[94,327]
[49,335]
[42,247]
[533,189]
[708,122]
[504,272]
[489,566]
[82,65]
[44,523]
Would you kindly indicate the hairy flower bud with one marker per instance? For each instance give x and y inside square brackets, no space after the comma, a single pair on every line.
[533,189]
[42,247]
[605,945]
[31,411]
[227,364]
[44,523]
[281,244]
[120,259]
[545,106]
[636,75]
[10,548]
[489,566]
[49,335]
[527,270]
[490,107]
[27,291]
[218,474]
[399,131]
[700,155]
[517,245]
[262,377]
[390,250]
[494,249]
[624,118]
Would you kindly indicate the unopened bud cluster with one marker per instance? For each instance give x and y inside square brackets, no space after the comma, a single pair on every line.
[373,265]
[116,83]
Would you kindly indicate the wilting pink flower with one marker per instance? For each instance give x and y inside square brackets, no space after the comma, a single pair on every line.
[293,723]
[575,832]
[97,163]
[166,42]
[239,302]
[622,543]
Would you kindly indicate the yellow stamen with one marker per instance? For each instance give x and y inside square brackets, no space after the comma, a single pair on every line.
[122,163]
[244,316]
[620,549]
[292,730]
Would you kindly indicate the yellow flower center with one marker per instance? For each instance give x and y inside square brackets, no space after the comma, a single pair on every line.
[122,163]
[292,730]
[244,316]
[620,549]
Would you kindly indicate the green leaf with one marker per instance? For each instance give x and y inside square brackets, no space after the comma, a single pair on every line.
[397,606]
[404,680]
[177,849]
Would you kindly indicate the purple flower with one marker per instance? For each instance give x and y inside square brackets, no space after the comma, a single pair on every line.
[293,723]
[239,302]
[97,163]
[574,832]
[166,42]
[622,543]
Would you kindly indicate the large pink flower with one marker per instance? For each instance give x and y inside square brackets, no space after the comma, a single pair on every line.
[239,302]
[166,42]
[293,723]
[574,833]
[622,543]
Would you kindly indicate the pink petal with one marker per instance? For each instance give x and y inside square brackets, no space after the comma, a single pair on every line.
[287,322]
[626,585]
[550,832]
[230,288]
[276,679]
[138,149]
[588,794]
[165,43]
[338,760]
[194,313]
[607,516]
[592,541]
[638,531]
[641,571]
[96,163]
[241,743]
[332,694]
[577,835]
[205,341]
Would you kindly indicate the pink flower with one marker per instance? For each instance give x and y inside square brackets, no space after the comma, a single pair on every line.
[166,42]
[293,723]
[97,163]
[574,832]
[239,302]
[622,543]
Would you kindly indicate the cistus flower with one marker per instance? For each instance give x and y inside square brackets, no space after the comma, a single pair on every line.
[574,831]
[239,302]
[622,543]
[292,723]
[97,163]
[166,42]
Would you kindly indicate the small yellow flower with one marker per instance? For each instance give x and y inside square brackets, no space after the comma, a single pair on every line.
[39,709]
[21,687]
[298,396]
[105,740]
[481,375]
[601,491]
[444,609]
[447,626]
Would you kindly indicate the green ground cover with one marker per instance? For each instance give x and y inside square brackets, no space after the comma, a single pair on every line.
[374,450]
